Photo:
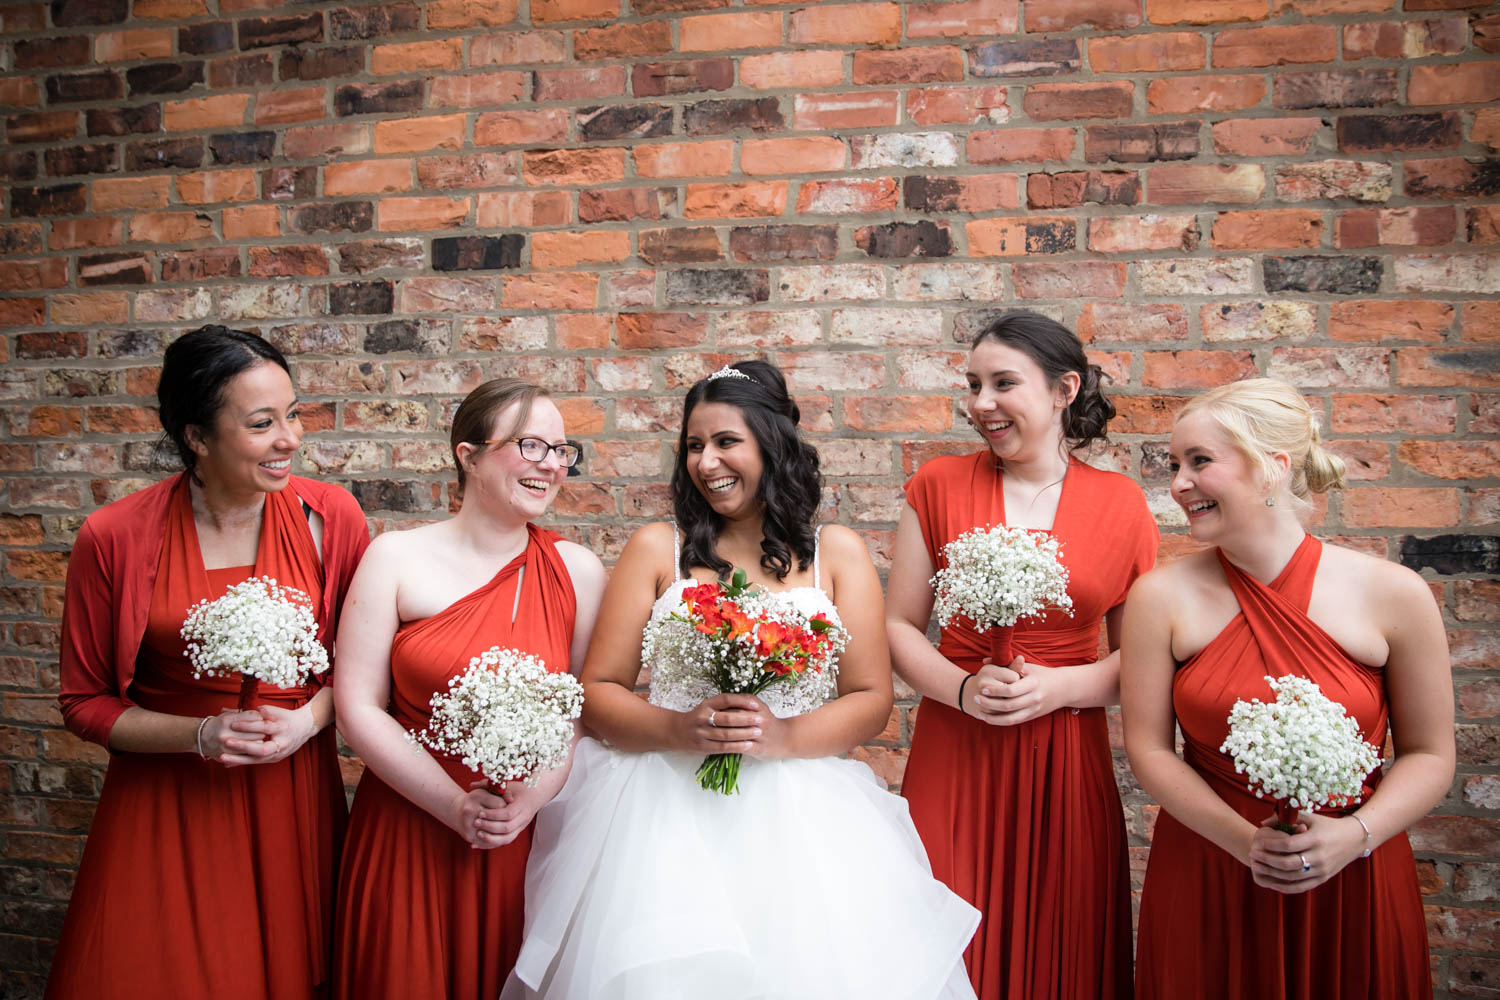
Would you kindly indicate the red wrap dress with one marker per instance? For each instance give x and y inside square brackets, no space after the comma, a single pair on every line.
[421,914]
[1206,928]
[1025,821]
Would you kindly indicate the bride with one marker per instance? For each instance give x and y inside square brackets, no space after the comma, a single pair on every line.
[642,884]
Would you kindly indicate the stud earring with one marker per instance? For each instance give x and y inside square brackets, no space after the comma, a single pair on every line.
[1270,501]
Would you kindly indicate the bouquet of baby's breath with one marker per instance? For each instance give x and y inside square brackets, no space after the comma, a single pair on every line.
[996,576]
[1300,750]
[506,716]
[258,631]
[741,639]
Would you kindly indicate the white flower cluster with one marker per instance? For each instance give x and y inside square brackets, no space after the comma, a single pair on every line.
[686,665]
[506,716]
[997,576]
[1301,749]
[257,629]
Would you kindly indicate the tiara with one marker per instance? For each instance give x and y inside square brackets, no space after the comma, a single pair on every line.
[728,372]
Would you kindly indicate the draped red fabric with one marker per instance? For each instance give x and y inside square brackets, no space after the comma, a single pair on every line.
[1206,929]
[200,880]
[1025,821]
[421,913]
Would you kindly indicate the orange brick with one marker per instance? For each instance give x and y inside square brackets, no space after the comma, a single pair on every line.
[207,187]
[88,308]
[1486,127]
[1206,11]
[22,312]
[623,41]
[170,227]
[1194,183]
[1069,101]
[573,166]
[1481,321]
[711,32]
[956,105]
[367,177]
[415,135]
[574,10]
[311,142]
[1269,229]
[1064,15]
[551,251]
[564,290]
[1458,83]
[1021,145]
[1440,366]
[851,24]
[1384,507]
[111,194]
[1195,369]
[1265,136]
[445,14]
[479,90]
[802,155]
[964,18]
[138,43]
[168,9]
[1153,53]
[749,199]
[409,214]
[416,57]
[1374,321]
[1410,226]
[685,159]
[1452,459]
[221,111]
[273,107]
[251,221]
[1276,46]
[522,128]
[800,70]
[1185,94]
[73,234]
[582,332]
[926,414]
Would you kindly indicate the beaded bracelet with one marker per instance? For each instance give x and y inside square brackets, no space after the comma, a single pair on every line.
[967,679]
[198,740]
[1367,834]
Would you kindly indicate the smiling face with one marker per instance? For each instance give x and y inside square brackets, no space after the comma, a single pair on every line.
[1012,406]
[499,472]
[256,432]
[1216,484]
[723,460]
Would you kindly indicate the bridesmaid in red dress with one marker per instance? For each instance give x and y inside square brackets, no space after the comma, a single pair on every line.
[1233,907]
[1009,779]
[210,865]
[430,900]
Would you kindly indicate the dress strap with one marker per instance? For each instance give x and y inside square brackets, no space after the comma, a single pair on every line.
[817,533]
[676,553]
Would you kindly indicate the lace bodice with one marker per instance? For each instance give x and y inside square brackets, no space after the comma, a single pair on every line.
[682,691]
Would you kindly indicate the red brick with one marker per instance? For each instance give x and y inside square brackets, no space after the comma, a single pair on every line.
[925,414]
[311,142]
[1021,145]
[276,107]
[1194,183]
[1044,101]
[1456,83]
[1185,94]
[1452,459]
[518,128]
[1015,237]
[20,92]
[573,166]
[798,70]
[480,90]
[1316,367]
[550,291]
[582,332]
[522,208]
[580,84]
[1152,53]
[367,177]
[469,13]
[1111,322]
[567,250]
[1447,367]
[1384,507]
[956,105]
[112,194]
[574,10]
[851,24]
[1375,322]
[1482,223]
[1195,369]
[1481,321]
[284,261]
[1276,46]
[22,312]
[417,57]
[1079,187]
[615,205]
[1370,227]
[139,43]
[1265,136]
[211,187]
[218,111]
[1063,15]
[1374,413]
[651,331]
[1267,229]
[1144,414]
[416,135]
[1206,11]
[251,221]
[930,64]
[801,155]
[411,214]
[1070,280]
[620,41]
[1476,600]
[741,200]
[972,193]
[830,112]
[170,227]
[712,32]
[1452,177]
[964,18]
[1404,39]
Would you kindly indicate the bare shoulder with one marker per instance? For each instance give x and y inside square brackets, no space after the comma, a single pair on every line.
[1168,581]
[653,539]
[840,542]
[1383,582]
[583,565]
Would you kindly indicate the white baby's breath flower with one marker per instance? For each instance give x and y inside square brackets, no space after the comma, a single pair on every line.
[1301,749]
[506,716]
[995,577]
[258,629]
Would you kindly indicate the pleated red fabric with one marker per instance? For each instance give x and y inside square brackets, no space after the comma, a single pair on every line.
[200,880]
[420,913]
[1025,821]
[1206,928]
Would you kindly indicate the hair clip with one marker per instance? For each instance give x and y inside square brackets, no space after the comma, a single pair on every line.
[728,372]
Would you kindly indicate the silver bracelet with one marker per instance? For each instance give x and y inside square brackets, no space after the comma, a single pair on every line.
[198,740]
[1362,826]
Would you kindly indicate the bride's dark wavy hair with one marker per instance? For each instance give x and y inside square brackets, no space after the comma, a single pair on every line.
[790,488]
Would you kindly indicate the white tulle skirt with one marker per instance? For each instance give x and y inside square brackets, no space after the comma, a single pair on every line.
[810,884]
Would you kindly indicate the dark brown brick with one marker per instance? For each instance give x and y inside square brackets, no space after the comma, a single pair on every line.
[388,494]
[40,126]
[477,253]
[1333,275]
[905,239]
[201,265]
[681,77]
[1385,133]
[52,53]
[253,70]
[163,154]
[80,13]
[768,243]
[717,287]
[335,217]
[698,245]
[123,121]
[61,344]
[717,117]
[205,39]
[263,32]
[351,23]
[63,199]
[379,98]
[114,269]
[164,78]
[1455,177]
[1080,187]
[21,237]
[19,166]
[242,147]
[128,343]
[94,85]
[1041,57]
[1148,143]
[321,64]
[628,121]
[361,258]
[361,298]
[288,183]
[98,158]
[1347,88]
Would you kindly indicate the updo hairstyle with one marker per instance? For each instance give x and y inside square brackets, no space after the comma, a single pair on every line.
[1057,351]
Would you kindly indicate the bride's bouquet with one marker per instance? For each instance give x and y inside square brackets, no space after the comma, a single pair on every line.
[741,639]
[1300,750]
[506,716]
[258,631]
[996,576]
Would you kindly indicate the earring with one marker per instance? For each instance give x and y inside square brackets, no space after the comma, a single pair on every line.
[1270,501]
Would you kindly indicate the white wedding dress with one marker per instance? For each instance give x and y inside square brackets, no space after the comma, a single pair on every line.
[810,884]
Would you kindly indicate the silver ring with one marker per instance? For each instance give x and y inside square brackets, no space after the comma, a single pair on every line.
[1305,866]
[711,714]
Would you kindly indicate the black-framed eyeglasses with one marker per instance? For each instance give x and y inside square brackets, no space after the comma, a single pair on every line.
[535,450]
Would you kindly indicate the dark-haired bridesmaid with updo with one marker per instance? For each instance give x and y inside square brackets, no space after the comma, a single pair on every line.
[1010,779]
[210,865]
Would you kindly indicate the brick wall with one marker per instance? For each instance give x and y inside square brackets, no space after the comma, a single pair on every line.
[411,197]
